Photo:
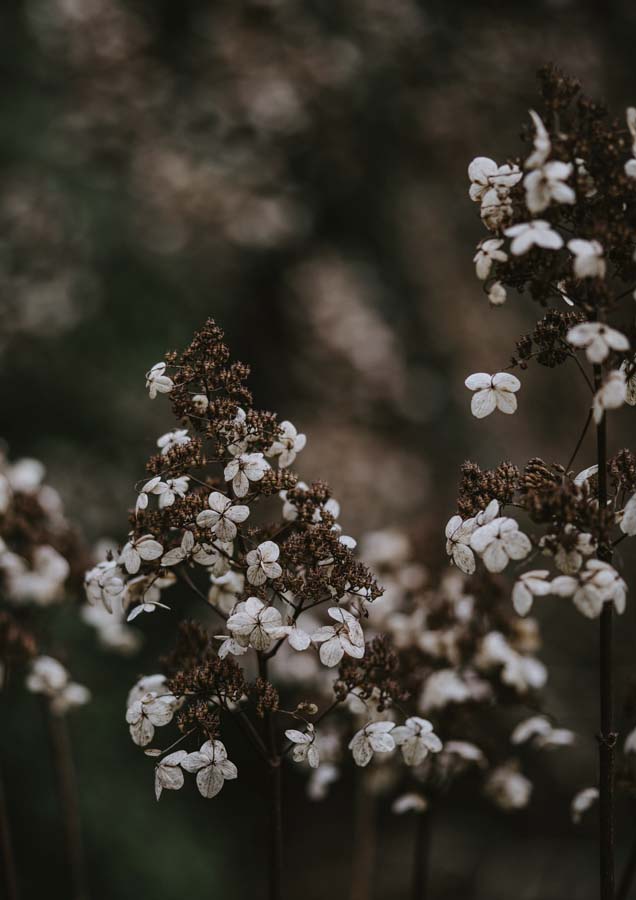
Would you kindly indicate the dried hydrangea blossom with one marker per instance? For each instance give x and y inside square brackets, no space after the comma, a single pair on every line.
[220,518]
[570,221]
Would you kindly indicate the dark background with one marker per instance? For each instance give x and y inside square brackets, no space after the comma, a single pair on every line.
[297,170]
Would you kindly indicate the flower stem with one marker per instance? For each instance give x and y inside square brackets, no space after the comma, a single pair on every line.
[68,795]
[607,736]
[9,869]
[275,766]
[421,858]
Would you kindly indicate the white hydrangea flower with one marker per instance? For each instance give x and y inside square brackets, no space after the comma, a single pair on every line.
[144,548]
[492,392]
[104,584]
[508,788]
[304,746]
[375,737]
[485,174]
[586,798]
[287,445]
[596,584]
[256,625]
[530,585]
[611,395]
[216,556]
[539,731]
[589,261]
[48,676]
[145,591]
[154,486]
[537,233]
[157,381]
[630,165]
[175,487]
[200,403]
[458,534]
[41,582]
[168,773]
[442,687]
[148,712]
[112,634]
[569,556]
[630,742]
[222,517]
[212,768]
[597,339]
[488,252]
[500,541]
[345,636]
[244,468]
[410,802]
[171,439]
[262,563]
[497,294]
[416,739]
[181,553]
[628,517]
[545,184]
[225,590]
[517,670]
[541,143]
[298,639]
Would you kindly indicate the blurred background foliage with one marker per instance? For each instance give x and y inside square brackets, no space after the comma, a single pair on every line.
[296,169]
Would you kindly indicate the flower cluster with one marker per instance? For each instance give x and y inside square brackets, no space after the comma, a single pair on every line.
[40,562]
[221,519]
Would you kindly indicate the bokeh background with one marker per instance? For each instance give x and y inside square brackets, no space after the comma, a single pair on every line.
[297,170]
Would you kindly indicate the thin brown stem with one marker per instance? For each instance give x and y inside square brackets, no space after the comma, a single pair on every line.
[364,841]
[607,736]
[9,868]
[579,443]
[421,857]
[69,801]
[275,799]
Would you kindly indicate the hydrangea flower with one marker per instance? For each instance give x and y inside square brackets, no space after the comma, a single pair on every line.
[344,637]
[458,534]
[492,392]
[485,174]
[256,625]
[541,142]
[611,394]
[530,585]
[488,251]
[245,468]
[262,563]
[589,261]
[157,381]
[416,739]
[212,768]
[148,712]
[375,737]
[144,548]
[586,798]
[500,541]
[104,584]
[171,439]
[628,518]
[287,444]
[547,183]
[304,746]
[497,294]
[597,339]
[508,788]
[537,233]
[596,584]
[169,774]
[222,517]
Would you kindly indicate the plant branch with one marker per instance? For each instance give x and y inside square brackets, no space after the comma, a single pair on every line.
[607,737]
[69,801]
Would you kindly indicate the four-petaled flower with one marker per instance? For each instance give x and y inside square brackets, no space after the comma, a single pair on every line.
[492,392]
[287,444]
[256,625]
[212,767]
[168,773]
[530,585]
[488,252]
[498,542]
[245,468]
[336,640]
[416,740]
[597,339]
[589,261]
[375,737]
[546,184]
[222,517]
[304,746]
[537,233]
[458,534]
[596,584]
[142,548]
[485,174]
[171,439]
[611,394]
[157,381]
[150,711]
[262,563]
